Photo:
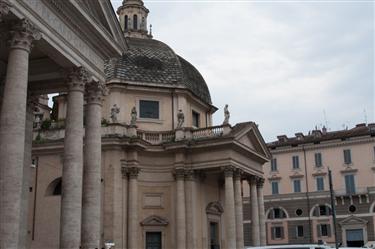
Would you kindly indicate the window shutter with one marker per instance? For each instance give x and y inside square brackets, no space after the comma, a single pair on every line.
[319,231]
[329,230]
[272,233]
[282,232]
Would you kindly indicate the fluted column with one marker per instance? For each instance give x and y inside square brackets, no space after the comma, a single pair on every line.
[125,181]
[91,201]
[12,131]
[71,199]
[133,209]
[254,211]
[180,211]
[190,210]
[229,210]
[262,216]
[239,212]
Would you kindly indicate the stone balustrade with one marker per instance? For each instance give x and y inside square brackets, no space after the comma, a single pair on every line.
[56,131]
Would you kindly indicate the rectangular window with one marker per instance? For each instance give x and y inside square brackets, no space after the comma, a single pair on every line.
[297,186]
[318,160]
[149,109]
[324,230]
[273,164]
[347,157]
[277,232]
[299,231]
[320,183]
[295,162]
[196,119]
[350,184]
[275,188]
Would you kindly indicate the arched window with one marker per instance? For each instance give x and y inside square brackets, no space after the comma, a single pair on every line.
[276,213]
[54,188]
[126,22]
[135,22]
[322,210]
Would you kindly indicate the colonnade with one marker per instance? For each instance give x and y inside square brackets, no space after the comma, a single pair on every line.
[81,180]
[233,209]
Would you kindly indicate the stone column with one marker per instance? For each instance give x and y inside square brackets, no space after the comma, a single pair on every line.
[229,209]
[254,211]
[190,210]
[91,201]
[262,216]
[180,209]
[12,132]
[124,172]
[239,212]
[133,209]
[71,199]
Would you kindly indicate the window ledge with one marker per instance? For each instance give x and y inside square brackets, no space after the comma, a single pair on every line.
[149,120]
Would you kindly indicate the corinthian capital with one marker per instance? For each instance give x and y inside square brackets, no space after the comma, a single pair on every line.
[260,182]
[95,91]
[4,8]
[77,79]
[23,33]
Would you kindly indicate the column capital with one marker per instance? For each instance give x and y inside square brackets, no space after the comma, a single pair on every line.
[179,174]
[77,79]
[252,179]
[95,91]
[238,174]
[23,33]
[260,182]
[133,172]
[228,171]
[190,174]
[5,7]
[124,172]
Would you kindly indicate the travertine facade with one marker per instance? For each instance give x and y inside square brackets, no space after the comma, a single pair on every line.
[116,165]
[297,200]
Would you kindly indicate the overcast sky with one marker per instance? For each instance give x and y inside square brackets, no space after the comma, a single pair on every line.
[286,65]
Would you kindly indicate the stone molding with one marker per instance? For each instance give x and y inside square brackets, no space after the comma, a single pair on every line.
[95,91]
[23,33]
[190,175]
[179,174]
[5,7]
[215,208]
[77,79]
[154,220]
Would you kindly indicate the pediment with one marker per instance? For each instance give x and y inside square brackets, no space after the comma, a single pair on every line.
[353,220]
[214,208]
[251,139]
[155,220]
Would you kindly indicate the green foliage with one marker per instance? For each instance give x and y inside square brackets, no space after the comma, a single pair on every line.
[46,124]
[104,122]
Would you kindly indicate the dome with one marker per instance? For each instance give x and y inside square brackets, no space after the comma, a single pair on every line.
[151,62]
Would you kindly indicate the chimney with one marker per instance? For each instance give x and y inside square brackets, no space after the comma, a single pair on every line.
[316,133]
[282,138]
[324,130]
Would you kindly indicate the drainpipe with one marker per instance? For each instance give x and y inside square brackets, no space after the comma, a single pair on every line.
[307,194]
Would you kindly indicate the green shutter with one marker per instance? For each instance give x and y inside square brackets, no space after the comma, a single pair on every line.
[319,231]
[329,230]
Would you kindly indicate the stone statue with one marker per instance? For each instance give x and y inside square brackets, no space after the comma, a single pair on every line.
[226,115]
[114,111]
[180,119]
[133,119]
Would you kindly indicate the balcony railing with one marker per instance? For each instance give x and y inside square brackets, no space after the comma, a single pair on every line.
[214,131]
[357,191]
[156,137]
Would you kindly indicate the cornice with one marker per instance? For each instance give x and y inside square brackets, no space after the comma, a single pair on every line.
[364,140]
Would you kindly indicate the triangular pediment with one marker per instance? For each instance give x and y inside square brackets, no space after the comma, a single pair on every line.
[249,137]
[154,220]
[353,220]
[101,12]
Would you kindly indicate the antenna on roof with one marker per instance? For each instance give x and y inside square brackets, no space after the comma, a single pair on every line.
[365,115]
[150,29]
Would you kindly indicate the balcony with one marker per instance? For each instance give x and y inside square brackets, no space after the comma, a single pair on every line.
[358,191]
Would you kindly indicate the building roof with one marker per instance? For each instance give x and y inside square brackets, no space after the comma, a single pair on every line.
[317,136]
[154,62]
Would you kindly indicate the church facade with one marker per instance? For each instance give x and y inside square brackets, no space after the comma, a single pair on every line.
[128,157]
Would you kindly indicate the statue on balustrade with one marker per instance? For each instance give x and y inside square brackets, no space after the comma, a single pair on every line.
[226,115]
[180,119]
[133,119]
[115,110]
